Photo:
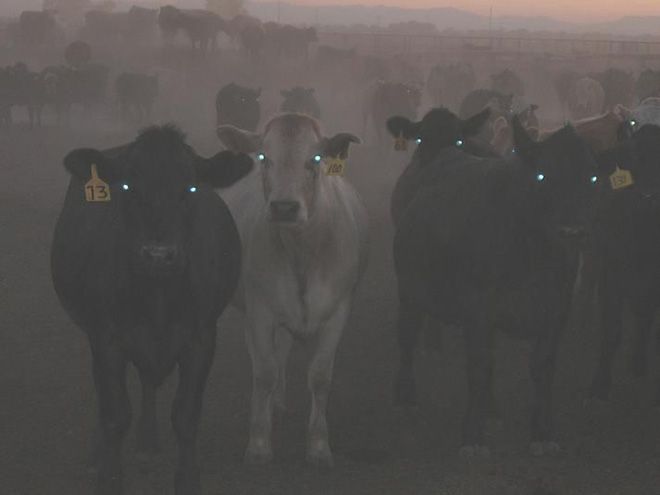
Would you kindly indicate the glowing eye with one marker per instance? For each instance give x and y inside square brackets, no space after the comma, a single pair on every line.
[594,179]
[513,150]
[125,187]
[318,158]
[540,177]
[261,157]
[459,143]
[419,140]
[633,123]
[192,189]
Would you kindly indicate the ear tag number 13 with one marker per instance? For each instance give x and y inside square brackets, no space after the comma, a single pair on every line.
[96,190]
[621,178]
[335,166]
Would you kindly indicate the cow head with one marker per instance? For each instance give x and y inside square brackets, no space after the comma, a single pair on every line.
[564,177]
[301,100]
[439,129]
[157,182]
[291,152]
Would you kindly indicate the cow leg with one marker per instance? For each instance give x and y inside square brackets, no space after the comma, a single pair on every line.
[319,379]
[410,322]
[542,370]
[611,307]
[283,343]
[147,429]
[643,314]
[194,367]
[478,343]
[109,369]
[261,346]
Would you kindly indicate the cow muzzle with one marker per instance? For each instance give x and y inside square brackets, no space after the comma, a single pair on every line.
[284,211]
[159,257]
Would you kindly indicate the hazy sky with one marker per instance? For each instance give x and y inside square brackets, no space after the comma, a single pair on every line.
[583,10]
[579,10]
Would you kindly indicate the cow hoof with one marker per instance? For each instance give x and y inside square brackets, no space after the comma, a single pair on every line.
[320,458]
[539,449]
[474,452]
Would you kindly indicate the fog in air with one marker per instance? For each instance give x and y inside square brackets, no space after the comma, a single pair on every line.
[329,246]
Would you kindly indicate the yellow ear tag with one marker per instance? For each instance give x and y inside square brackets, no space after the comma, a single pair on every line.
[335,165]
[400,143]
[621,178]
[96,190]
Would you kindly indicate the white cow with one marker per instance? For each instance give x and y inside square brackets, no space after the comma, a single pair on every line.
[304,236]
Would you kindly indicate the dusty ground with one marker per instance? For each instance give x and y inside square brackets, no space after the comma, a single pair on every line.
[47,400]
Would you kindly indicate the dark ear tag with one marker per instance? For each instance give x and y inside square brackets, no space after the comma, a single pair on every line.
[96,190]
[400,143]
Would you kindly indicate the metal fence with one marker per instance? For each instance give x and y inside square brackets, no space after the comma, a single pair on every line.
[491,45]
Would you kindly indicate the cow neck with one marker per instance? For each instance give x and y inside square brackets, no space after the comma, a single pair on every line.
[303,245]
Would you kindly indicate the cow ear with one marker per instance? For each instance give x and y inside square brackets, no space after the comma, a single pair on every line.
[338,144]
[79,164]
[239,140]
[521,139]
[401,126]
[473,125]
[224,169]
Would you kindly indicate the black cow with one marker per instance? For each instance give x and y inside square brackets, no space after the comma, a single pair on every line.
[248,32]
[301,100]
[37,27]
[136,25]
[507,82]
[648,84]
[137,94]
[448,85]
[201,26]
[145,275]
[626,243]
[389,98]
[486,247]
[21,87]
[619,87]
[238,106]
[289,41]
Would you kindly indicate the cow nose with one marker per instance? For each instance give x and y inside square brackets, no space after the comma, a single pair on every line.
[284,211]
[159,254]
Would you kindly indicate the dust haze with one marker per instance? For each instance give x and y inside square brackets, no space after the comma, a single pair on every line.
[94,74]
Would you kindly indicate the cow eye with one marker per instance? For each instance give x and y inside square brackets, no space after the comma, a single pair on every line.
[418,140]
[261,157]
[540,177]
[633,123]
[317,158]
[459,143]
[125,187]
[593,179]
[192,189]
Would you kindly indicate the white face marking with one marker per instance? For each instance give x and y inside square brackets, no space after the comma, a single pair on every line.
[291,167]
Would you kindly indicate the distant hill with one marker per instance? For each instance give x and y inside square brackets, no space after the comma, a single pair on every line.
[442,17]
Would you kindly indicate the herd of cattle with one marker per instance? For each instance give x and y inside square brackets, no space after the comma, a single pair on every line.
[499,225]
